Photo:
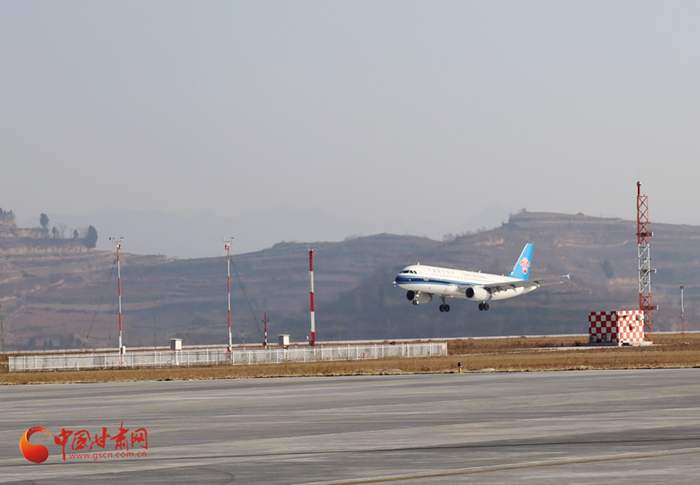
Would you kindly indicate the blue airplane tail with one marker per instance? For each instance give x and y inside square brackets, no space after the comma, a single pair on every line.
[521,270]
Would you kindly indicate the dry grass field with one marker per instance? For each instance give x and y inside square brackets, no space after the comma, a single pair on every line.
[476,355]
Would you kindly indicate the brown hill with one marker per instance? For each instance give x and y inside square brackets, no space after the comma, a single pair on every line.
[63,296]
[600,254]
[60,297]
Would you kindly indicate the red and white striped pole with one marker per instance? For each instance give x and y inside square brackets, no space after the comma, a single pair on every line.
[312,342]
[265,320]
[227,245]
[118,244]
[682,318]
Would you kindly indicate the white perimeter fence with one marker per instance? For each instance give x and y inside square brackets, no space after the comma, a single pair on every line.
[277,355]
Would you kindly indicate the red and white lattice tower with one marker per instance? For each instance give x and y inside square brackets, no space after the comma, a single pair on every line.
[644,261]
[312,342]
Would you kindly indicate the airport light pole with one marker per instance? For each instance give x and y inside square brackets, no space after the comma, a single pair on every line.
[118,244]
[227,245]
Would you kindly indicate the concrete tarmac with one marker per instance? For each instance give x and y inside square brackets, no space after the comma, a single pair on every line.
[583,427]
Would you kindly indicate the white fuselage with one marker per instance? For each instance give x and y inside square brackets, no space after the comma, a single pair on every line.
[451,283]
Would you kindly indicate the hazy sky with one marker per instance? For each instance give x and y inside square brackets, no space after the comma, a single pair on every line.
[374,110]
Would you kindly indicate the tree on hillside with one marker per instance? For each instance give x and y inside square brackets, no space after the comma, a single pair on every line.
[54,231]
[62,227]
[75,234]
[44,221]
[8,216]
[90,240]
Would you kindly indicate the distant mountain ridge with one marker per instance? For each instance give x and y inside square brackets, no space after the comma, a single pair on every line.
[157,232]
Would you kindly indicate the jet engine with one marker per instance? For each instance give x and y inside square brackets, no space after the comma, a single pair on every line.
[417,297]
[478,293]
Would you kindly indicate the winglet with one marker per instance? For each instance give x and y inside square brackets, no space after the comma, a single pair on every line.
[521,270]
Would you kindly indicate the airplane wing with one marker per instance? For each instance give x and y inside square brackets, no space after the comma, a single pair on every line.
[512,284]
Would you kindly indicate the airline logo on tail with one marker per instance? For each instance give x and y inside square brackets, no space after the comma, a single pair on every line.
[521,270]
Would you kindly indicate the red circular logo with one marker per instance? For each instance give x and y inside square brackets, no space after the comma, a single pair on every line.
[34,453]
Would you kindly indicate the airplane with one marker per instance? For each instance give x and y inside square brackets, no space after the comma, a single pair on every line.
[422,282]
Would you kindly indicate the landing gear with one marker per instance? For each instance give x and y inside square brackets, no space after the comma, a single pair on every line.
[483,307]
[444,307]
[415,302]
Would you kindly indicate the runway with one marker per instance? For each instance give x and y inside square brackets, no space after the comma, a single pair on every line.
[584,427]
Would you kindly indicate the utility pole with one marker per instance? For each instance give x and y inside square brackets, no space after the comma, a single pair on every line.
[227,245]
[118,244]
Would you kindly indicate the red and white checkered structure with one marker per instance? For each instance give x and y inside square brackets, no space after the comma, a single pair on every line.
[616,327]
